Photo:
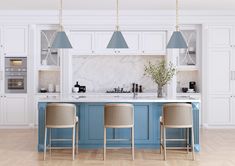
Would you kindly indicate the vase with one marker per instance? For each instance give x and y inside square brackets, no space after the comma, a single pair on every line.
[160,91]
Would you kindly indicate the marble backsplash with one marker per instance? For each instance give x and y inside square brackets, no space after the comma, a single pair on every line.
[102,73]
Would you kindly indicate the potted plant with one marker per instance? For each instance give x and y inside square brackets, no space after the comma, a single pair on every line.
[160,73]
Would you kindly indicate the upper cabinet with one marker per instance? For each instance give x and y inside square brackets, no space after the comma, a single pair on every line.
[139,43]
[102,39]
[15,40]
[82,42]
[49,57]
[133,42]
[154,43]
[221,59]
[1,65]
[188,59]
[220,36]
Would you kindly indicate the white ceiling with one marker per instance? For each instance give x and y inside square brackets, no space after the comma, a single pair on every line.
[124,4]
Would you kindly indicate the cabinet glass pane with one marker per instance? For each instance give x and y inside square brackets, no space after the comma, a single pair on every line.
[188,56]
[49,56]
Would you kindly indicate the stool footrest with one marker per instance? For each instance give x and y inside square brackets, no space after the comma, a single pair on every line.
[61,139]
[58,147]
[176,139]
[118,139]
[127,147]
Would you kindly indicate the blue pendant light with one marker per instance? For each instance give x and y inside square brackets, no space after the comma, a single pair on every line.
[177,40]
[61,40]
[117,39]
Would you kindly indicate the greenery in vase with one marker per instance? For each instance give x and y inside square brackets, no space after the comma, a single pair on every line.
[160,73]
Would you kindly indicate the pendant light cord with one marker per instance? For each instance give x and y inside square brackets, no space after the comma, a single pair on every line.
[177,15]
[117,23]
[60,15]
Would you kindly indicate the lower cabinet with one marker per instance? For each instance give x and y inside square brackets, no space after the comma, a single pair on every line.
[1,110]
[233,108]
[221,110]
[92,122]
[13,110]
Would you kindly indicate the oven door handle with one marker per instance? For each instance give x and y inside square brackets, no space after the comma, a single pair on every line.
[15,77]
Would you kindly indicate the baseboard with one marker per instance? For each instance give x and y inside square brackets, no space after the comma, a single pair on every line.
[15,126]
[220,126]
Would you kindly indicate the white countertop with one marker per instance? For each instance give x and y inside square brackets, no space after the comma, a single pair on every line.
[114,97]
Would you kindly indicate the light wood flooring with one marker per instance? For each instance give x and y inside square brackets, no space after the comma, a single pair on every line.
[19,148]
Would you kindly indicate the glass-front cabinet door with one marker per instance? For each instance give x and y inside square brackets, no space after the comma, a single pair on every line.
[188,56]
[49,56]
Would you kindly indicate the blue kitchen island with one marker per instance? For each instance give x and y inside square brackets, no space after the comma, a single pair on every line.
[90,109]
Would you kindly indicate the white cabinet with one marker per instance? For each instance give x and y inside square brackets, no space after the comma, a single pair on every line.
[82,42]
[232,106]
[15,40]
[1,63]
[154,43]
[48,61]
[101,41]
[139,43]
[1,109]
[133,42]
[219,110]
[219,65]
[187,61]
[221,75]
[14,109]
[220,36]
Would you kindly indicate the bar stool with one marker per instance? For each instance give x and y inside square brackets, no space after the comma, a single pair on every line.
[176,115]
[57,116]
[119,116]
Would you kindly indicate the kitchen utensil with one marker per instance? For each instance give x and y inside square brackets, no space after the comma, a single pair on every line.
[184,89]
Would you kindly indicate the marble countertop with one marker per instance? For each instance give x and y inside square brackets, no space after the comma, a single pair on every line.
[115,97]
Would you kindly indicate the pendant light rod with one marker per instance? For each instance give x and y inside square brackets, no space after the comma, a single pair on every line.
[60,15]
[117,17]
[177,15]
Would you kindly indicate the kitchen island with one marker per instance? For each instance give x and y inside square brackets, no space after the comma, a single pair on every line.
[90,108]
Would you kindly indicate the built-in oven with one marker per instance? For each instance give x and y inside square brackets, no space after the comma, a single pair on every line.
[16,75]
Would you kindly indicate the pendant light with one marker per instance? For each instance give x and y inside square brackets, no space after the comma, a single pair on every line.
[61,40]
[117,40]
[177,39]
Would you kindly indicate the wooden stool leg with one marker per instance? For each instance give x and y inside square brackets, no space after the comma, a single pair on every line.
[160,138]
[76,151]
[45,144]
[192,144]
[104,157]
[73,142]
[50,129]
[132,142]
[187,137]
[164,140]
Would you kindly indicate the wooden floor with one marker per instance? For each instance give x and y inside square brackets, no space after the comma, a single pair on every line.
[18,148]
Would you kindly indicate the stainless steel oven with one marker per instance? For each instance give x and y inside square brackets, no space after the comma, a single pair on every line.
[16,75]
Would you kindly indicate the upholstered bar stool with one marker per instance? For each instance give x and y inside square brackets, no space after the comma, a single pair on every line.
[119,116]
[176,115]
[57,116]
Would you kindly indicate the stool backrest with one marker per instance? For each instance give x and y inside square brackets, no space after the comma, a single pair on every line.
[118,114]
[60,114]
[177,114]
